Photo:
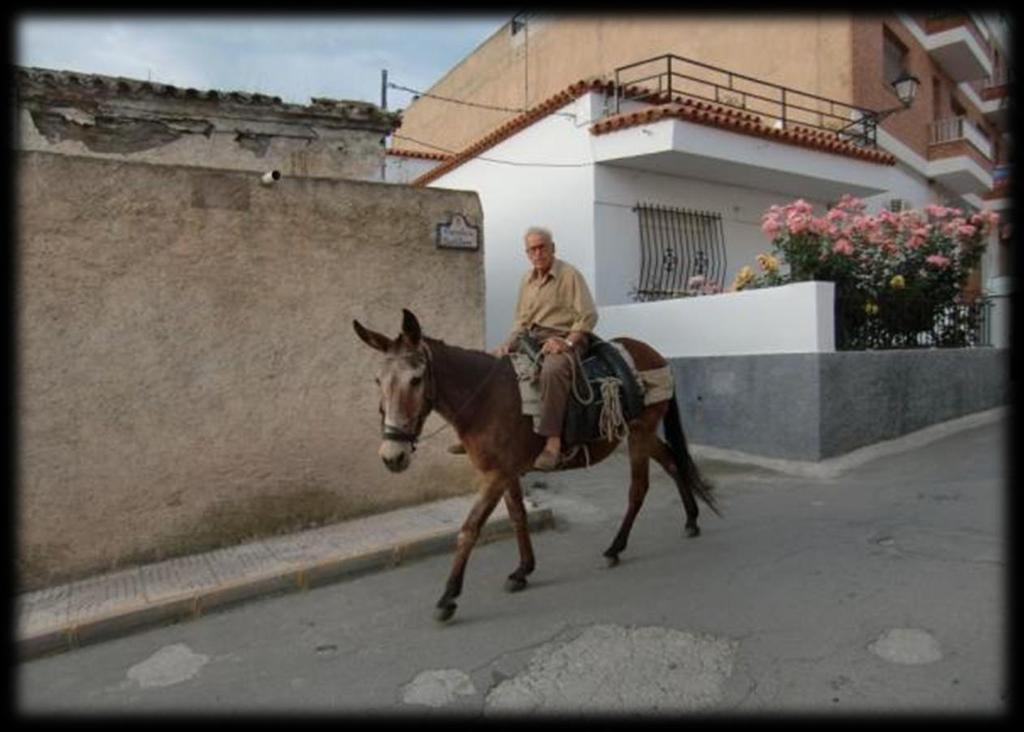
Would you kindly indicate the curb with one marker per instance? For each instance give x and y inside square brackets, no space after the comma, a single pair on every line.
[191,604]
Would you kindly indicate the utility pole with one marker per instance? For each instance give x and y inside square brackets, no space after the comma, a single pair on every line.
[384,107]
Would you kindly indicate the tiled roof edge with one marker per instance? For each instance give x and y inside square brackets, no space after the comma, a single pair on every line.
[743,123]
[704,113]
[417,154]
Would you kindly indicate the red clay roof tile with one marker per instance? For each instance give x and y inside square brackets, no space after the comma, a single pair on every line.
[399,152]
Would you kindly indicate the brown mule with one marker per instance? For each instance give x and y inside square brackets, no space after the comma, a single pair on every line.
[478,394]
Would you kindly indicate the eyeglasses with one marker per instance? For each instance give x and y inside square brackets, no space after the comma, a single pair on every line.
[530,251]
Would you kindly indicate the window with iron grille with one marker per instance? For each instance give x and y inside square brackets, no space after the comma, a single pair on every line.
[682,252]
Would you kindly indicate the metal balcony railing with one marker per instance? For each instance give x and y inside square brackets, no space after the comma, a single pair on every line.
[953,129]
[1000,77]
[674,77]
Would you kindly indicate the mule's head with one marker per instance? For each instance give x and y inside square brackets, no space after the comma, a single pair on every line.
[406,389]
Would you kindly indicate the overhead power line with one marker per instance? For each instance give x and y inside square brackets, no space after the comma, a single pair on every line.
[510,110]
[494,160]
[513,110]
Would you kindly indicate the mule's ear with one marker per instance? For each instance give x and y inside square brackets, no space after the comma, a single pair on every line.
[370,338]
[411,328]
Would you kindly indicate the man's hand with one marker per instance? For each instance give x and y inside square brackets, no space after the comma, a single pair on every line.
[556,345]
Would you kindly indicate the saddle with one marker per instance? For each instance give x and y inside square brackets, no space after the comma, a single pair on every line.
[605,397]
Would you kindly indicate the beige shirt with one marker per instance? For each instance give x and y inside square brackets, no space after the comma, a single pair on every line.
[560,299]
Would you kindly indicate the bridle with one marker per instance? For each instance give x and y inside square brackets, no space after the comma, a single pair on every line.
[430,399]
[396,434]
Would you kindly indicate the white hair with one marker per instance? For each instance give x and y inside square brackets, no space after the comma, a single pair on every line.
[541,232]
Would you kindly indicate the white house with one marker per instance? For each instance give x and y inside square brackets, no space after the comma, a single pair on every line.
[576,166]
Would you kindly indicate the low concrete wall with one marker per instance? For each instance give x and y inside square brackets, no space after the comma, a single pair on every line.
[813,406]
[188,374]
[795,318]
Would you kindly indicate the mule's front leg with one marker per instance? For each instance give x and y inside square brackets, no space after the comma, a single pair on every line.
[468,536]
[517,512]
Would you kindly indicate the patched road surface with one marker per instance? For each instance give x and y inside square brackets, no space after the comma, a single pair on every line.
[877,590]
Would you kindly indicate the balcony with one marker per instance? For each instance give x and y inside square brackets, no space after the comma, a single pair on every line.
[995,98]
[960,156]
[955,129]
[998,198]
[663,78]
[680,117]
[955,43]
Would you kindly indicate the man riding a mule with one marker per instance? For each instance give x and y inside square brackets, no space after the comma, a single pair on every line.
[556,309]
[478,395]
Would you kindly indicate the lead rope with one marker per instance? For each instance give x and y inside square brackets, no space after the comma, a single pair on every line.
[612,422]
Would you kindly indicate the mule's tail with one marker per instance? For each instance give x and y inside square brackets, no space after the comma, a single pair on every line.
[684,462]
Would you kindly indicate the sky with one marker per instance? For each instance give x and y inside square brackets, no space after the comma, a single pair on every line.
[293,57]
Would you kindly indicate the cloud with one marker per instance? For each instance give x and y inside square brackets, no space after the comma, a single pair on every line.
[295,58]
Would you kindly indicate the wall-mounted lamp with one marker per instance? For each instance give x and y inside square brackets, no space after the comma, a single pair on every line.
[905,85]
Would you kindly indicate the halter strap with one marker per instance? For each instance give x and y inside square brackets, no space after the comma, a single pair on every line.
[396,434]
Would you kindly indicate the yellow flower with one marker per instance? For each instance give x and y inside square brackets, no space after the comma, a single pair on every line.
[768,262]
[897,282]
[871,308]
[743,278]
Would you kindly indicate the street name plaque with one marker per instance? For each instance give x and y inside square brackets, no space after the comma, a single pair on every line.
[458,233]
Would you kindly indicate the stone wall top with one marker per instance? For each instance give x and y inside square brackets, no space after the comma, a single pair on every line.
[61,86]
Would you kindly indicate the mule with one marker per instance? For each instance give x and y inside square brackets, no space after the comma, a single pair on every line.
[478,395]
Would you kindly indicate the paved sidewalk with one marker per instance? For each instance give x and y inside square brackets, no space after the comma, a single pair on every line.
[98,608]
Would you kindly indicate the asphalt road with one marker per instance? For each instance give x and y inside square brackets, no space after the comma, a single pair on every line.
[882,590]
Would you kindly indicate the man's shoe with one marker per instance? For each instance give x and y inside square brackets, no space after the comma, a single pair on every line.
[546,461]
[457,449]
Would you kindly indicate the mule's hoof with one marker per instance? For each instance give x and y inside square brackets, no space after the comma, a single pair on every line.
[515,584]
[692,531]
[612,559]
[444,613]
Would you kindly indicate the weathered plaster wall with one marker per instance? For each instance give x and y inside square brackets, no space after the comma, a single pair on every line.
[188,374]
[294,150]
[124,119]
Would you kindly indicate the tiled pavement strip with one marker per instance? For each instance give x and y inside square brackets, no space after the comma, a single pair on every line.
[102,607]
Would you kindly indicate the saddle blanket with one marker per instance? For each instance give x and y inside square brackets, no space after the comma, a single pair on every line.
[657,385]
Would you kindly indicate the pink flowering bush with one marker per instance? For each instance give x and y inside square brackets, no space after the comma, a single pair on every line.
[883,263]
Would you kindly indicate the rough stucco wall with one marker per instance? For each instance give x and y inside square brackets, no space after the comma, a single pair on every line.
[807,52]
[188,374]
